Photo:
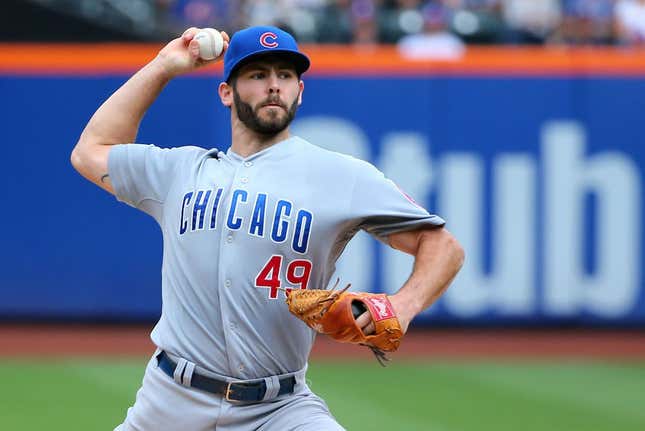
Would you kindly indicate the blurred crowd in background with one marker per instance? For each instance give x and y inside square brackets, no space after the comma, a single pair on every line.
[392,21]
[430,25]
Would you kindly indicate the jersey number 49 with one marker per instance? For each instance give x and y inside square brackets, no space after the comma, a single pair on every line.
[297,275]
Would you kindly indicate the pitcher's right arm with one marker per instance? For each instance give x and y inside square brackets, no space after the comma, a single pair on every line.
[117,120]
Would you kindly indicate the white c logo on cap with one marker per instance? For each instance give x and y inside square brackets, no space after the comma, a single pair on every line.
[268,40]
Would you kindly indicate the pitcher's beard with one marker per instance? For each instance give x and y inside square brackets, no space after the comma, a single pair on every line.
[252,120]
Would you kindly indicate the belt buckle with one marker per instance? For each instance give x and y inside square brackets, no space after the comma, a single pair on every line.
[241,384]
[229,391]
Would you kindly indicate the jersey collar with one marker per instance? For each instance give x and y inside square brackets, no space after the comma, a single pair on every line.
[277,149]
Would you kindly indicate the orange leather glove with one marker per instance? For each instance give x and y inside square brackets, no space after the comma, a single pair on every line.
[330,312]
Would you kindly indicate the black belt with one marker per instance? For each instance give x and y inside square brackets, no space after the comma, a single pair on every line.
[232,391]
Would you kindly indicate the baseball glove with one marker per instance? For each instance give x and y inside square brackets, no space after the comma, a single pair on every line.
[333,312]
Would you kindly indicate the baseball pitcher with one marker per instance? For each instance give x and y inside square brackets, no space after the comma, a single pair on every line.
[251,235]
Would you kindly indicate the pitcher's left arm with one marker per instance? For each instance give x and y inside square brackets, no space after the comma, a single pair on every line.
[438,257]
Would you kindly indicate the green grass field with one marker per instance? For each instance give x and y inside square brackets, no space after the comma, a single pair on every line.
[431,396]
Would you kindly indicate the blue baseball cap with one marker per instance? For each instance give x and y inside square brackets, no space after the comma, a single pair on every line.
[262,40]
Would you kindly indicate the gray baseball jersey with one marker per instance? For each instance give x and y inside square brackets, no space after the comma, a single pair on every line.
[236,229]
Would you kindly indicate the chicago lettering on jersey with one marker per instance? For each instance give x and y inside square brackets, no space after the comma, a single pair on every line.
[200,210]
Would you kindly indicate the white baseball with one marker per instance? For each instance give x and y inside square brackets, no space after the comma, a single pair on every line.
[210,42]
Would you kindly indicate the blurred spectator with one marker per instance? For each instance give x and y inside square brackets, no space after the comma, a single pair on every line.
[476,21]
[301,17]
[363,14]
[531,21]
[586,21]
[204,13]
[335,22]
[348,21]
[398,19]
[630,21]
[264,12]
[436,41]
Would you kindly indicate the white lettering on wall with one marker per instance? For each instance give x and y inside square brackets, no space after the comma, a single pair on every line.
[509,288]
[522,205]
[569,175]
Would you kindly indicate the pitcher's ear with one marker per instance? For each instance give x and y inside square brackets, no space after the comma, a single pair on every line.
[301,84]
[225,92]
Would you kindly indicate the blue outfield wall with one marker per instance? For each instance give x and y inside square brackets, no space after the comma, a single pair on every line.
[541,179]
